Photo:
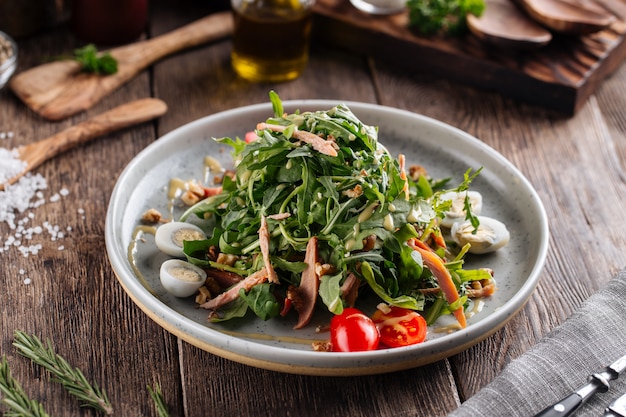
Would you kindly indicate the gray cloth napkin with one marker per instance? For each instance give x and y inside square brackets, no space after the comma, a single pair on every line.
[588,341]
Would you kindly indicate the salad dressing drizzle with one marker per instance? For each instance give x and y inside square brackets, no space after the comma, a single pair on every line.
[381,211]
[265,336]
[211,167]
[175,189]
[137,236]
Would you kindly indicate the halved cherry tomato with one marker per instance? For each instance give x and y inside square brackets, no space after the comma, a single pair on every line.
[353,331]
[400,326]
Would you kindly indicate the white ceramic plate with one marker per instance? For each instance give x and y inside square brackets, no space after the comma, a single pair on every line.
[445,151]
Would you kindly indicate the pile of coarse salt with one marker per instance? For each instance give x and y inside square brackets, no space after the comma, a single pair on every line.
[16,204]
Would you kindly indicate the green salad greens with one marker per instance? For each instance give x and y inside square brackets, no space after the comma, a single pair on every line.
[346,191]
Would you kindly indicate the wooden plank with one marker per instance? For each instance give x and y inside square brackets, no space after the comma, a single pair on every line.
[560,158]
[561,76]
[201,82]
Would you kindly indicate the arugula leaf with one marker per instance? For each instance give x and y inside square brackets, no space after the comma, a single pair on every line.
[354,203]
[236,308]
[261,300]
[404,301]
[330,292]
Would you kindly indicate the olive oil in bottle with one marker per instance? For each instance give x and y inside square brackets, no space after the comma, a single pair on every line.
[271,39]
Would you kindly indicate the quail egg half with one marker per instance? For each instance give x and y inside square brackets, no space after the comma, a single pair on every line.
[457,209]
[180,278]
[169,237]
[490,236]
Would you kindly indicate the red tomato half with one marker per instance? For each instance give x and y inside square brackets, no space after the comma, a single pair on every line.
[353,331]
[400,327]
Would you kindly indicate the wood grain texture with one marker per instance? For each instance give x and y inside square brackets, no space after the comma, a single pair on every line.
[60,89]
[576,164]
[560,76]
[121,117]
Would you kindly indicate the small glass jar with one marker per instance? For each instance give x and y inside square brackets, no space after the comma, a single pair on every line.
[109,22]
[271,38]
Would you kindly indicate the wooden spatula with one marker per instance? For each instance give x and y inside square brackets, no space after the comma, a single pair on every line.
[59,89]
[120,117]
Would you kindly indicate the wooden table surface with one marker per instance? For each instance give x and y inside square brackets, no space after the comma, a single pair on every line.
[72,296]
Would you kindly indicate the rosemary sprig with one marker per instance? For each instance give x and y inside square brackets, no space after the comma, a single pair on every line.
[159,401]
[14,397]
[72,379]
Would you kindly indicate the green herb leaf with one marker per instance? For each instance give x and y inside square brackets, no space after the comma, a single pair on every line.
[442,16]
[71,378]
[159,401]
[404,301]
[330,292]
[14,397]
[93,62]
[354,203]
[261,301]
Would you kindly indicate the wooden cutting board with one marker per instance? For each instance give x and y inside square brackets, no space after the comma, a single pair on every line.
[560,76]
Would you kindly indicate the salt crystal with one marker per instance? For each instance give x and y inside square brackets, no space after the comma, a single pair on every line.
[20,197]
[11,164]
[27,281]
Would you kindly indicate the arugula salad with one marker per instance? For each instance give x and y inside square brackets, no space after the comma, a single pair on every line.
[317,214]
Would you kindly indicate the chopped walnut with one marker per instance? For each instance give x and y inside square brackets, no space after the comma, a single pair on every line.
[324,269]
[356,192]
[195,192]
[190,198]
[294,296]
[212,253]
[416,171]
[482,288]
[321,346]
[369,243]
[226,259]
[203,295]
[151,216]
[195,188]
[212,286]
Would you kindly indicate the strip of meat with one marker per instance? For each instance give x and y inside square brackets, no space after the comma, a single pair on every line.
[264,242]
[233,292]
[309,285]
[327,147]
[279,216]
[441,273]
[350,289]
[224,278]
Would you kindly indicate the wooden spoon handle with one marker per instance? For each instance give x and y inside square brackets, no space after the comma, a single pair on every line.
[144,53]
[118,118]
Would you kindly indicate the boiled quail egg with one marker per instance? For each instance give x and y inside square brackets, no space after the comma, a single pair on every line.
[490,236]
[180,278]
[169,237]
[457,210]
